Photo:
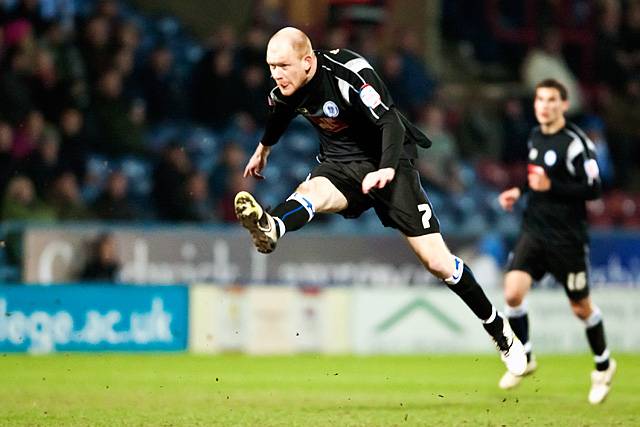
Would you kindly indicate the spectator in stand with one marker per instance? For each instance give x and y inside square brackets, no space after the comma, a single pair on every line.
[368,45]
[29,10]
[415,72]
[21,202]
[336,38]
[48,91]
[254,86]
[216,80]
[15,91]
[631,38]
[74,147]
[67,57]
[234,182]
[109,10]
[546,61]
[103,264]
[113,202]
[392,73]
[118,122]
[621,113]
[7,163]
[43,164]
[160,87]
[252,51]
[95,47]
[29,135]
[198,207]
[608,58]
[64,197]
[123,61]
[169,180]
[515,126]
[438,165]
[233,159]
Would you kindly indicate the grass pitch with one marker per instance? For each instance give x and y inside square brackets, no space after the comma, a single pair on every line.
[187,390]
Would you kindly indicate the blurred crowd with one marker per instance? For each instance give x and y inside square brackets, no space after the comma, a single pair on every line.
[108,114]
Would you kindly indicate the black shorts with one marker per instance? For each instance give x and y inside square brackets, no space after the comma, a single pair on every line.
[567,264]
[401,204]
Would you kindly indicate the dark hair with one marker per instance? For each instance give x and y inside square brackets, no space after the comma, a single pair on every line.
[554,84]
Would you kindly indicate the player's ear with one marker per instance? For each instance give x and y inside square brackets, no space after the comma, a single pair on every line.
[308,59]
[565,106]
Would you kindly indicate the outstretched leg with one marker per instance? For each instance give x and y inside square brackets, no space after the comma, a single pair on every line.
[315,195]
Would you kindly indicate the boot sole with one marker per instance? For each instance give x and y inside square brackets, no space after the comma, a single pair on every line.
[248,212]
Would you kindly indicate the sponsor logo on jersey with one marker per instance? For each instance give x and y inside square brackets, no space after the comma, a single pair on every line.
[550,158]
[330,109]
[533,154]
[369,96]
[328,125]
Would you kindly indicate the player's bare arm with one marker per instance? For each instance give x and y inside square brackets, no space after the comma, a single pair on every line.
[508,198]
[257,162]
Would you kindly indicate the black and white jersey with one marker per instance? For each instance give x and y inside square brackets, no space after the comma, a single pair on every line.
[345,101]
[558,216]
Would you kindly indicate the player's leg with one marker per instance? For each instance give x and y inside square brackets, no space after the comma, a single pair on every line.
[317,194]
[435,256]
[517,284]
[573,272]
[605,366]
[403,204]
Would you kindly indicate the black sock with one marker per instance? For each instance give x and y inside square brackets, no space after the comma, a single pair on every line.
[294,213]
[468,289]
[520,325]
[598,344]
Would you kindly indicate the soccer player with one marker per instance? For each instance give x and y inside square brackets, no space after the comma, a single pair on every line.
[562,175]
[366,161]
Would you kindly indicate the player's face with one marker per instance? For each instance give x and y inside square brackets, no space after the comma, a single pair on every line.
[288,69]
[549,106]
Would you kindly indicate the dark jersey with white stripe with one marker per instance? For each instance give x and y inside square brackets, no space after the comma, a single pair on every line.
[558,216]
[345,101]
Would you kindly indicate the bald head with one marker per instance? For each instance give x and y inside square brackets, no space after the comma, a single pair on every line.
[291,59]
[291,38]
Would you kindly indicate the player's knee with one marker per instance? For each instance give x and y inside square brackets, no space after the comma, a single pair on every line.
[513,298]
[440,265]
[306,188]
[516,286]
[581,310]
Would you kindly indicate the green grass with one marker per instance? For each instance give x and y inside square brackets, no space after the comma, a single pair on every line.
[185,390]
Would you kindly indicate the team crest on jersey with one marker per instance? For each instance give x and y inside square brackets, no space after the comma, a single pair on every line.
[533,154]
[369,96]
[330,109]
[550,158]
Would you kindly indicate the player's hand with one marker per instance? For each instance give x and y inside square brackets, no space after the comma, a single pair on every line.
[508,198]
[257,162]
[377,179]
[538,179]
